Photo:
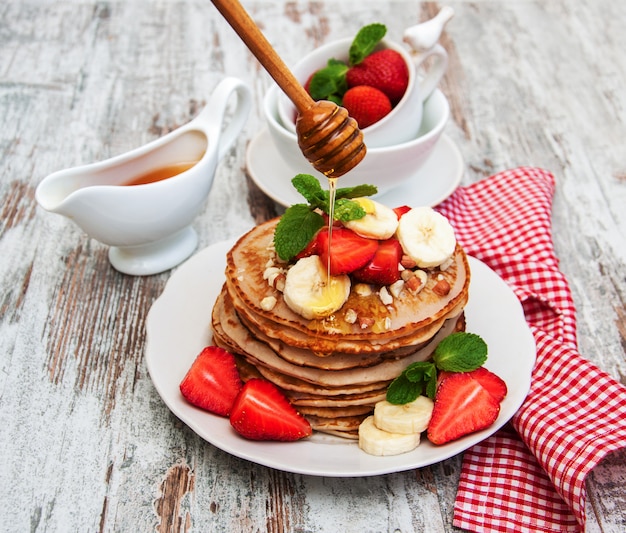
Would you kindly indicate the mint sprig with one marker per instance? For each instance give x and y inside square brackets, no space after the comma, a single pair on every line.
[300,222]
[458,352]
[329,83]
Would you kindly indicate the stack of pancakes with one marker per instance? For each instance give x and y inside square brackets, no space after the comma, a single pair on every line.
[333,370]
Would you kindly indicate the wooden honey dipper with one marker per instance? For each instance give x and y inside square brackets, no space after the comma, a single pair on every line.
[327,136]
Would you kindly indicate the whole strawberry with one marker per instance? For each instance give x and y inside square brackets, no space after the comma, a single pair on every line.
[385,70]
[366,105]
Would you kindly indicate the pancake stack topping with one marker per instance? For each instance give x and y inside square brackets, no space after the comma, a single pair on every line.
[358,329]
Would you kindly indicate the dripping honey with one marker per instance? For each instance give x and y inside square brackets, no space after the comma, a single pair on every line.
[161,173]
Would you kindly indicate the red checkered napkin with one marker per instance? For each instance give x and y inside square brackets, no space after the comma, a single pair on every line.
[531,477]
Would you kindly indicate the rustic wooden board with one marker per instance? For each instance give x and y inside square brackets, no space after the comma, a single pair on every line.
[89,445]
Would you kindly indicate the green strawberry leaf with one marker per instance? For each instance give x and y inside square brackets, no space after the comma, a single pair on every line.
[460,352]
[365,41]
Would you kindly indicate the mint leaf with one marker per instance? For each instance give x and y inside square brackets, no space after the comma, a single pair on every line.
[356,192]
[309,187]
[460,352]
[415,378]
[295,229]
[402,391]
[346,210]
[365,41]
[329,83]
[420,371]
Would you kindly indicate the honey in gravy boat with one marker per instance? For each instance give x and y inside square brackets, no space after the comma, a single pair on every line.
[142,203]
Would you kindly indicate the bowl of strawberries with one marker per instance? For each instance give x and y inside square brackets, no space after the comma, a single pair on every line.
[375,79]
[385,167]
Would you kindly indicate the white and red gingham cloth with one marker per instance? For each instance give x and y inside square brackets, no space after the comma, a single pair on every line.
[530,476]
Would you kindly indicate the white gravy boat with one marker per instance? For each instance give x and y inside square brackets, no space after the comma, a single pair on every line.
[148,226]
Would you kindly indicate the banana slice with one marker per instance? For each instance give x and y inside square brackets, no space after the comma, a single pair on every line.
[309,292]
[411,417]
[380,222]
[426,237]
[379,442]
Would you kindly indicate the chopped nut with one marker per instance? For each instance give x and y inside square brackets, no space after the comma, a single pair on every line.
[396,288]
[442,287]
[387,322]
[413,283]
[384,296]
[350,316]
[422,275]
[268,303]
[363,289]
[279,282]
[408,262]
[366,322]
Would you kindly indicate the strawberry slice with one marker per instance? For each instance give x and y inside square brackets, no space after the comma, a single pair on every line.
[401,210]
[383,267]
[262,412]
[349,250]
[462,406]
[494,384]
[212,382]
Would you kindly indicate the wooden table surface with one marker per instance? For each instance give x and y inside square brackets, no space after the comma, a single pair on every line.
[88,443]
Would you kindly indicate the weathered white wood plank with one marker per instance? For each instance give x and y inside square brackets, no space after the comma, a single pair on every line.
[88,443]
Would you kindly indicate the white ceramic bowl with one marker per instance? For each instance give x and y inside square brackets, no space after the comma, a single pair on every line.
[386,167]
[404,120]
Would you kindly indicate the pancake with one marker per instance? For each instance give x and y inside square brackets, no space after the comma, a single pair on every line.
[253,252]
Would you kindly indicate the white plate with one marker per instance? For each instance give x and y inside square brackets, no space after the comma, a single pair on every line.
[178,327]
[266,168]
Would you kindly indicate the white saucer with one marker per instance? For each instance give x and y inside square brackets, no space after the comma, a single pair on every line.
[445,167]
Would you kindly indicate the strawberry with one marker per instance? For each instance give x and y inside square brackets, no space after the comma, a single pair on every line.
[401,210]
[349,250]
[494,384]
[366,105]
[262,412]
[384,70]
[462,406]
[383,267]
[212,382]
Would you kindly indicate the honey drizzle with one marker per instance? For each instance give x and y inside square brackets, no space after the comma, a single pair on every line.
[332,192]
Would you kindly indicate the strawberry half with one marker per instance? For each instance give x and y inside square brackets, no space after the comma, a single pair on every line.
[349,250]
[494,384]
[462,406]
[383,268]
[212,382]
[384,70]
[262,412]
[367,105]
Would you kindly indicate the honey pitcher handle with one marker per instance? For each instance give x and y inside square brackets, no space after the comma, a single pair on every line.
[223,122]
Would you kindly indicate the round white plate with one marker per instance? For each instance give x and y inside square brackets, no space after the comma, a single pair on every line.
[266,168]
[178,327]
